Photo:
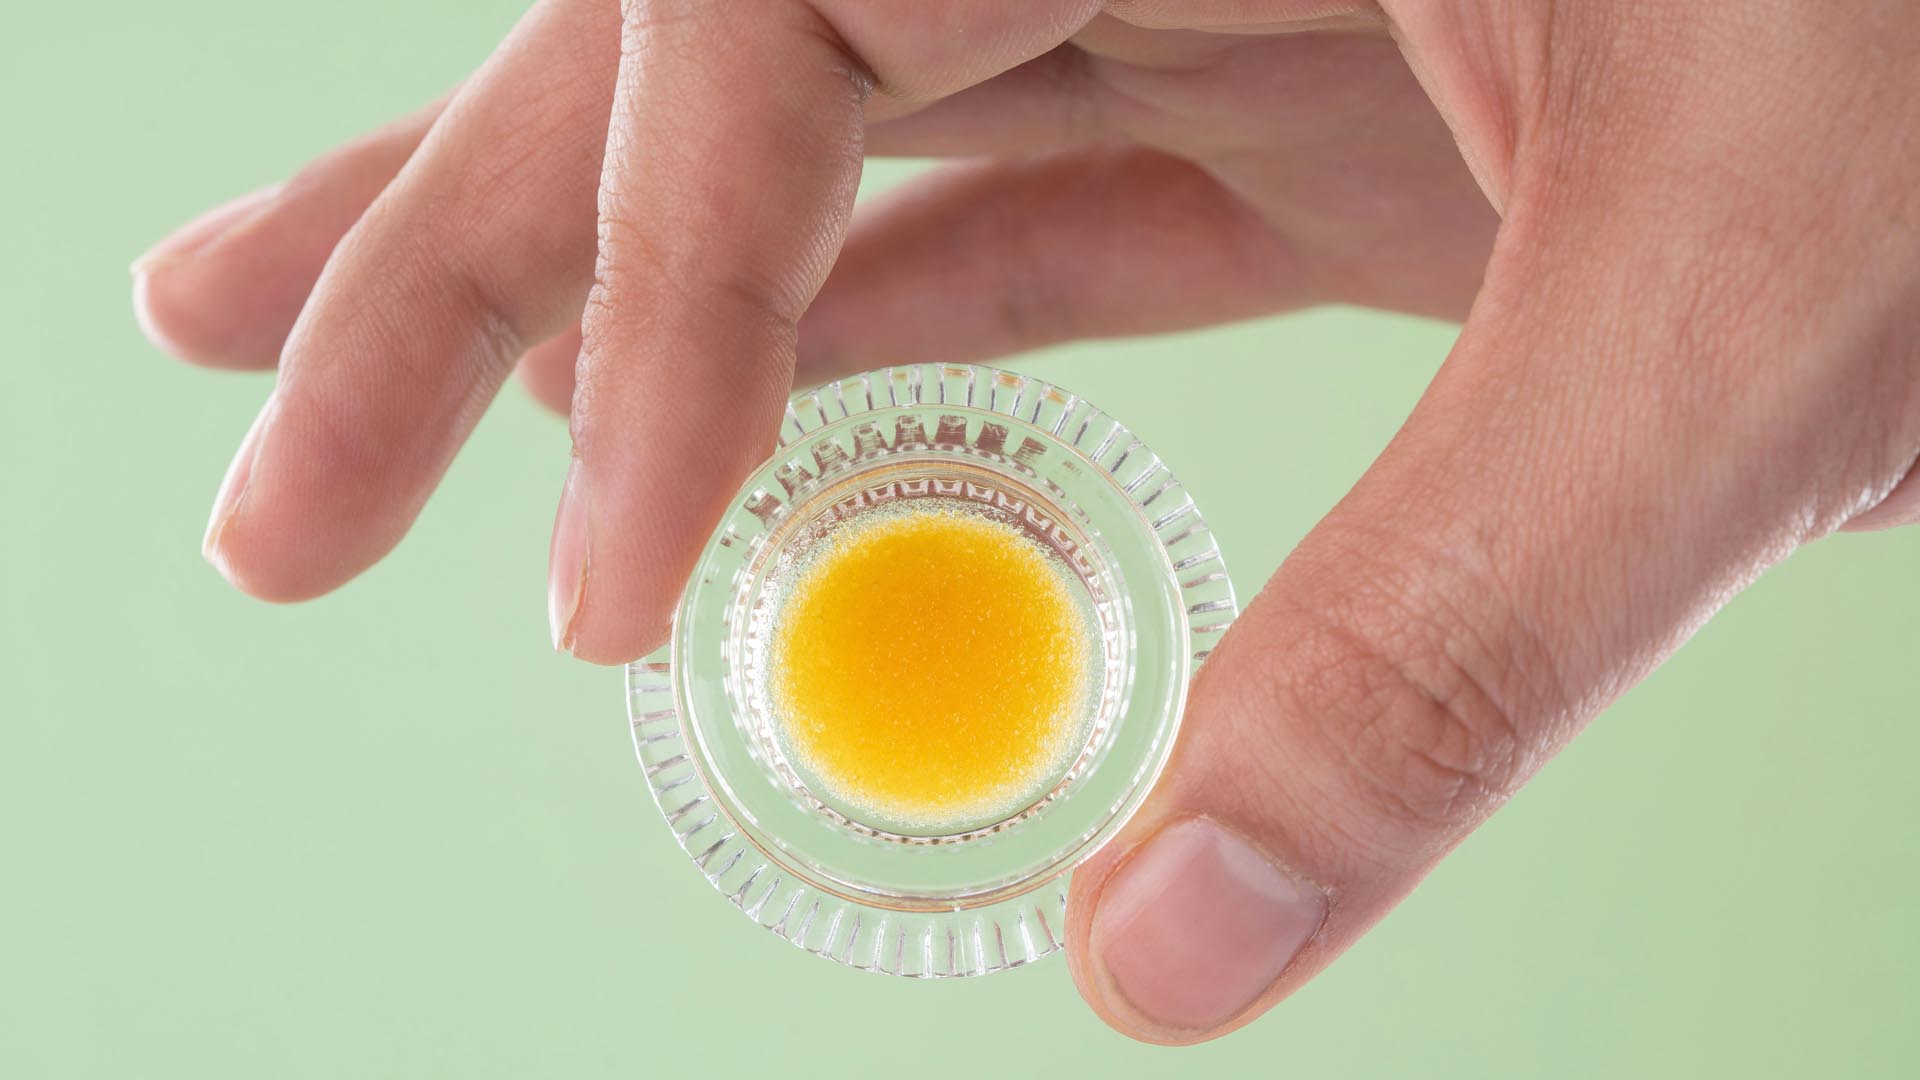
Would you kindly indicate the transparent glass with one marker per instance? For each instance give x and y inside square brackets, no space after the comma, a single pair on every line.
[973,896]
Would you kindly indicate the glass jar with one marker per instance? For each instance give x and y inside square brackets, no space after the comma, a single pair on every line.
[967,897]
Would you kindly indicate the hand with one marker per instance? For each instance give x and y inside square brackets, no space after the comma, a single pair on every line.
[1692,351]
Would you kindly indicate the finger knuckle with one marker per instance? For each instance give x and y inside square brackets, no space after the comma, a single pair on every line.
[1427,741]
[1414,699]
[492,313]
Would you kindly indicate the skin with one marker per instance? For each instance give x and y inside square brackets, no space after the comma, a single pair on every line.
[1683,238]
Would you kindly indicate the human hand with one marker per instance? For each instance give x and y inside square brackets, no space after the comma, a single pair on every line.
[1692,352]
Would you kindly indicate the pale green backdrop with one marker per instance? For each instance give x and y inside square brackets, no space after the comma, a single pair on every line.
[391,834]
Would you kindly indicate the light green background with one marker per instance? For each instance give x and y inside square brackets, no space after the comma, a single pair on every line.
[390,833]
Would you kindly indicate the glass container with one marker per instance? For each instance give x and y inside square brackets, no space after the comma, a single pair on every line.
[964,897]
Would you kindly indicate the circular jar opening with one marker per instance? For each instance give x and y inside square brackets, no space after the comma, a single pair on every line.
[934,656]
[932,649]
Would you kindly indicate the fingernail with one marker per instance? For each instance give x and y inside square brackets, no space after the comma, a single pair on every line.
[1197,924]
[567,559]
[232,490]
[202,231]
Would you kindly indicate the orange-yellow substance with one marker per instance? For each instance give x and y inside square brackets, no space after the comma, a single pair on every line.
[931,666]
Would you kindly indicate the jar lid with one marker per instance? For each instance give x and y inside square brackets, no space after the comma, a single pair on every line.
[983,891]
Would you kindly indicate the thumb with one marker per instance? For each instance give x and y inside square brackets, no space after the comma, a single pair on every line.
[1592,473]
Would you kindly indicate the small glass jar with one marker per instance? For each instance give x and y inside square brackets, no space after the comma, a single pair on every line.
[970,897]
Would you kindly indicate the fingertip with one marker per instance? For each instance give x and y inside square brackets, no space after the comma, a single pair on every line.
[261,580]
[604,605]
[1182,936]
[284,558]
[188,301]
[279,544]
[156,315]
[260,570]
[267,561]
[216,309]
[648,517]
[607,629]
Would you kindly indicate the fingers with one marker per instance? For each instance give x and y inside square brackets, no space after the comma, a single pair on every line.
[705,265]
[479,245]
[982,259]
[1597,467]
[225,289]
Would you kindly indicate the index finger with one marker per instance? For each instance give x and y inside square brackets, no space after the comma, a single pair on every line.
[732,157]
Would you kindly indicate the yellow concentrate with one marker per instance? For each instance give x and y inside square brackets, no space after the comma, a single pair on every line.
[931,666]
